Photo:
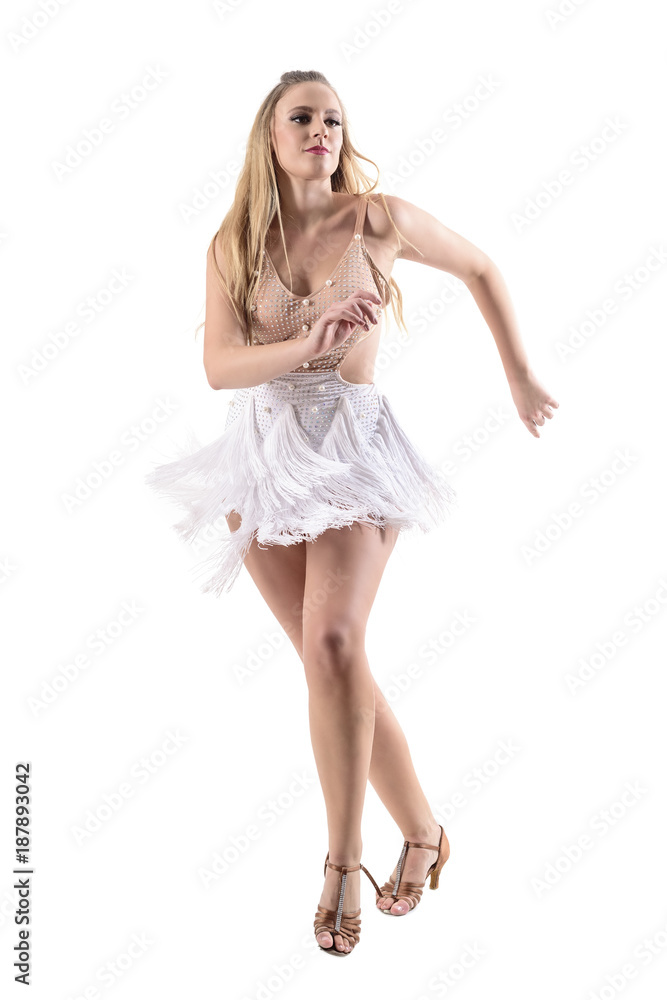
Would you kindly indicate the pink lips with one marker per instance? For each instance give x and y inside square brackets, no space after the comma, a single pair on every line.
[319,150]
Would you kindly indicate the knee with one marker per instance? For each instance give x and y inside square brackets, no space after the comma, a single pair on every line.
[335,647]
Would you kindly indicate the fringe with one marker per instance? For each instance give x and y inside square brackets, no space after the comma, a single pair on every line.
[286,492]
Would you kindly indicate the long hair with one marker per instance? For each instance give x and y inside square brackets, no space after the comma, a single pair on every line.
[242,233]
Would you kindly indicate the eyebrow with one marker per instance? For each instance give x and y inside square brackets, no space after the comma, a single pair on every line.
[304,107]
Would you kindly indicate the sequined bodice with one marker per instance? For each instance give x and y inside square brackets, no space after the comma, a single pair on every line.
[279,315]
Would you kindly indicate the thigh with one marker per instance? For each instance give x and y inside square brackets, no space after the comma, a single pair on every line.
[279,572]
[344,567]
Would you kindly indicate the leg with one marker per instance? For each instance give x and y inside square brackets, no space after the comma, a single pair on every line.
[393,777]
[279,572]
[343,571]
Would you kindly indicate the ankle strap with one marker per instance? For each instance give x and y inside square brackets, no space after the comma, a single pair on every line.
[343,868]
[430,847]
[351,868]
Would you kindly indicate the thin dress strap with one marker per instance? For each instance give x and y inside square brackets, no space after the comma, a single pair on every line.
[361,215]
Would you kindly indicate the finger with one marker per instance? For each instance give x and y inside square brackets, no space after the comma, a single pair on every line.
[370,312]
[351,316]
[364,294]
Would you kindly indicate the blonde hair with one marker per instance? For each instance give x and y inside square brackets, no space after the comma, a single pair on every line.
[242,233]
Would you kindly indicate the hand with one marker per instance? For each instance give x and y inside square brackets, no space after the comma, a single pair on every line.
[336,324]
[531,400]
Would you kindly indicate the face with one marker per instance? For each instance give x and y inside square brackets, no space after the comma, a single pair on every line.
[307,116]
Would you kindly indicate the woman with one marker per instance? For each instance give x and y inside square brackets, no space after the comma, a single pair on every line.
[297,276]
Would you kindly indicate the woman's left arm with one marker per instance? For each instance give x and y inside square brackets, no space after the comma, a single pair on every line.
[446,250]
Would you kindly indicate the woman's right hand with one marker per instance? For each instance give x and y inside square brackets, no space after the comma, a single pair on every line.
[336,324]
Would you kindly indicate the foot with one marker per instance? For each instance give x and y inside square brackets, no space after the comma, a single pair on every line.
[416,863]
[329,899]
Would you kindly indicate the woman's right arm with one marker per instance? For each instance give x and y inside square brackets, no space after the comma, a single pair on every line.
[229,362]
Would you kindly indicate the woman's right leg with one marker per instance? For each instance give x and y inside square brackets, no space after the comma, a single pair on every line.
[279,573]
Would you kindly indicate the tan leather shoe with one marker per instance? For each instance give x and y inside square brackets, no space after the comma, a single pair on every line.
[348,925]
[412,891]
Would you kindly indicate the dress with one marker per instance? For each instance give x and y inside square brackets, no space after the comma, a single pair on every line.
[305,451]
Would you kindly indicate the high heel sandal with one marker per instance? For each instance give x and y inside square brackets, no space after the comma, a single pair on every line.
[412,891]
[348,925]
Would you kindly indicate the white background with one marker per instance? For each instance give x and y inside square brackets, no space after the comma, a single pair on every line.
[539,924]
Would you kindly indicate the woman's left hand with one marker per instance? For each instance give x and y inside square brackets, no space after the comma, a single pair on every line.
[533,402]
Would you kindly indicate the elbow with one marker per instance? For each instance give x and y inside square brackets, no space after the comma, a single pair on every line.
[479,267]
[212,368]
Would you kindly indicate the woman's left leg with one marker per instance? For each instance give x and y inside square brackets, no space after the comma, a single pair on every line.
[343,571]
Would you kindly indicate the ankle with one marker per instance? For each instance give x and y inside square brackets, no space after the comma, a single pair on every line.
[343,861]
[427,832]
[347,857]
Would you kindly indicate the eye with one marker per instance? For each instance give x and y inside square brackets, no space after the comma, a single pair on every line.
[297,118]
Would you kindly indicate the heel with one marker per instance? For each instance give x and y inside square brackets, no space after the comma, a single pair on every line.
[435,878]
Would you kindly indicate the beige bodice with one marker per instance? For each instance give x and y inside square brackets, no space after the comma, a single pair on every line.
[278,314]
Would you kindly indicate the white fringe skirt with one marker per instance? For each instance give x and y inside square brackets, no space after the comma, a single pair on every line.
[300,454]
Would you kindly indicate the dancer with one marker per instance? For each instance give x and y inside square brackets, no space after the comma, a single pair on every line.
[313,474]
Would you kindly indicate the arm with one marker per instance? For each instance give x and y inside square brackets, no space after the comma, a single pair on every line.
[444,249]
[229,362]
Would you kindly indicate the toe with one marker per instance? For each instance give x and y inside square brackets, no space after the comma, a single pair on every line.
[324,938]
[341,943]
[400,906]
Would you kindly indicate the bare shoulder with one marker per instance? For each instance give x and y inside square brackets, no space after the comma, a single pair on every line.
[405,216]
[426,240]
[379,232]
